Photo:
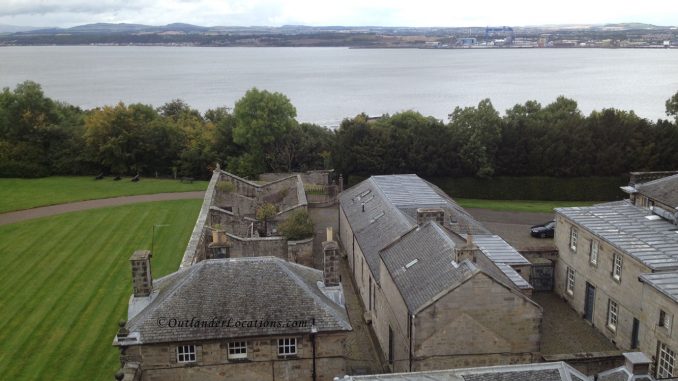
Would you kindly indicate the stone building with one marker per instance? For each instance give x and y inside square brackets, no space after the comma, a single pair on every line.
[258,318]
[227,226]
[618,266]
[439,290]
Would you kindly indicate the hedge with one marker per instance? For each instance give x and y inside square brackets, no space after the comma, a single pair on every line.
[529,188]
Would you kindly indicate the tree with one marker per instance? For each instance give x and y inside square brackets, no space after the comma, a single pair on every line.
[262,119]
[480,131]
[119,136]
[265,212]
[298,226]
[672,106]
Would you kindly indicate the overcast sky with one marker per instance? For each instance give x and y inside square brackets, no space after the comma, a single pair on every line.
[66,13]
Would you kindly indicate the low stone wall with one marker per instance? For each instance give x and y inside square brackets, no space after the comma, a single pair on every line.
[590,363]
[301,252]
[258,247]
[195,250]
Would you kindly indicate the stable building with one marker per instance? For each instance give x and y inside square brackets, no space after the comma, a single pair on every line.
[439,290]
[618,268]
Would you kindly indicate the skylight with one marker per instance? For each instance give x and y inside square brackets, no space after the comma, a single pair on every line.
[653,217]
[414,262]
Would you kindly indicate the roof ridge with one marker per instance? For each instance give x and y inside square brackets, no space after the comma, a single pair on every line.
[657,181]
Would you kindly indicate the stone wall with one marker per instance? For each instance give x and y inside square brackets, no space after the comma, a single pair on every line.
[195,251]
[258,247]
[262,362]
[651,333]
[627,292]
[301,252]
[590,363]
[481,322]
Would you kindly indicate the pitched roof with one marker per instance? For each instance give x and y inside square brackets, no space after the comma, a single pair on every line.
[555,371]
[664,190]
[390,210]
[421,264]
[665,282]
[635,231]
[261,289]
[503,256]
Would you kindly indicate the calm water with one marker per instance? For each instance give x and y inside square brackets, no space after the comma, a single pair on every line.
[328,84]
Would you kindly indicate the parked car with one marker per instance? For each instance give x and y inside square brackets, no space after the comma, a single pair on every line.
[544,230]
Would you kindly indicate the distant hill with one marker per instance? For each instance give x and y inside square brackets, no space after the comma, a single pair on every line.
[15,28]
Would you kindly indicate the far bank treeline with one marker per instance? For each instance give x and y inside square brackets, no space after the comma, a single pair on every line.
[40,137]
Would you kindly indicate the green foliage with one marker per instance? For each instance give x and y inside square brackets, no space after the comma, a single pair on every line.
[225,186]
[672,106]
[298,226]
[480,131]
[263,122]
[520,205]
[534,188]
[266,211]
[83,259]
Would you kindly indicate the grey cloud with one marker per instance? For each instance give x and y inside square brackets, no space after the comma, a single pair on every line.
[16,8]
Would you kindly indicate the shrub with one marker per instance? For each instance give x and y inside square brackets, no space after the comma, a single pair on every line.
[298,226]
[225,186]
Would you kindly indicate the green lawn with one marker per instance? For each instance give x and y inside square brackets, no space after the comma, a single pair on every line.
[16,194]
[66,280]
[520,205]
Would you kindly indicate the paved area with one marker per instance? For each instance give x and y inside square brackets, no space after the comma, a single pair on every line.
[564,331]
[514,227]
[45,211]
[360,345]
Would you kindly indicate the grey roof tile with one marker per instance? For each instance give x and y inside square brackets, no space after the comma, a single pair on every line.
[665,190]
[245,289]
[422,265]
[665,282]
[652,241]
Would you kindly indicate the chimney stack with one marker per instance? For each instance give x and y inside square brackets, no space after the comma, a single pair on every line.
[637,363]
[330,262]
[468,251]
[142,280]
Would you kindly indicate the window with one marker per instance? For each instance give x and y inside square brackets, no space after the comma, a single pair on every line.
[186,353]
[617,267]
[573,238]
[287,346]
[612,314]
[570,281]
[593,254]
[237,350]
[666,359]
[664,320]
[391,345]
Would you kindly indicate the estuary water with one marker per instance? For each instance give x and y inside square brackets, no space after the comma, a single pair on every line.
[329,84]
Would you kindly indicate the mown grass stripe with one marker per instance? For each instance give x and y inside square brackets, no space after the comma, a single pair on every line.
[75,299]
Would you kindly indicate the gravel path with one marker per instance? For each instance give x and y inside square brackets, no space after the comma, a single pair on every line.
[514,227]
[45,211]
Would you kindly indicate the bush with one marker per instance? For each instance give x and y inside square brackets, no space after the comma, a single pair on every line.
[225,186]
[298,226]
[22,169]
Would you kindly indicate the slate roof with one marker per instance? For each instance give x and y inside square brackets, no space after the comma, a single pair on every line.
[504,256]
[665,282]
[391,204]
[652,241]
[246,289]
[664,190]
[555,371]
[422,265]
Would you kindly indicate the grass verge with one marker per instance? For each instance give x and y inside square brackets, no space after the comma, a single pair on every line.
[66,281]
[520,205]
[17,194]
